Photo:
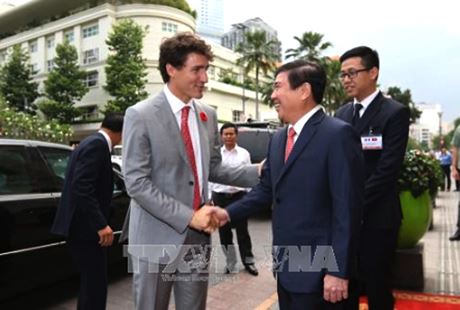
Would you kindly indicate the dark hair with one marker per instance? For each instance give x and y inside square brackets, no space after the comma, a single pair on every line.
[174,51]
[369,57]
[228,125]
[113,121]
[300,71]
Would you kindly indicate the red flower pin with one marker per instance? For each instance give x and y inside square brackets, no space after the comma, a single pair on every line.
[203,117]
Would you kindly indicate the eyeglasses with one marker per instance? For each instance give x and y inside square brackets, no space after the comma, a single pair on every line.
[351,74]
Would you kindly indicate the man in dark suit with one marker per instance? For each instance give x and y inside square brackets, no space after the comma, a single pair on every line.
[383,125]
[312,177]
[83,212]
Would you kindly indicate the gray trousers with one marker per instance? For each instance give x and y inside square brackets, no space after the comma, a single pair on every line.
[187,275]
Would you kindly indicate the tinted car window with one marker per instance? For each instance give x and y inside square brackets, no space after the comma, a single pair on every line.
[117,151]
[14,171]
[57,160]
[255,141]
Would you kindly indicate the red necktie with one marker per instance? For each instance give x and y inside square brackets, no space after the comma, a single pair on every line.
[289,143]
[191,155]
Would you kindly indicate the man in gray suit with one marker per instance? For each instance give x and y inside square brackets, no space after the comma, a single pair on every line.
[170,151]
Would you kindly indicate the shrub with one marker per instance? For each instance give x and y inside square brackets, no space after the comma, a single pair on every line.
[420,172]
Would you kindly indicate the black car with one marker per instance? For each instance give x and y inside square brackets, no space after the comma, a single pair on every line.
[31,180]
[255,137]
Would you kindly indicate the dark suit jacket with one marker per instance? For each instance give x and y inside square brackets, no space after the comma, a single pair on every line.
[389,118]
[316,197]
[87,193]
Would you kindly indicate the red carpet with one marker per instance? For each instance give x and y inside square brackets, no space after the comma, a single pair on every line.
[419,301]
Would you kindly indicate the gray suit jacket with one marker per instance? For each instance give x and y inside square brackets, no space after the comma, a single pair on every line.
[158,176]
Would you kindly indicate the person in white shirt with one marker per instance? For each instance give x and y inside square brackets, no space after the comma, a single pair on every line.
[223,195]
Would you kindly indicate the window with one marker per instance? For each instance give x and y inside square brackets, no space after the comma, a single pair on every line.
[212,72]
[90,56]
[169,27]
[92,78]
[90,31]
[14,171]
[50,42]
[69,36]
[33,47]
[237,115]
[56,160]
[34,68]
[50,65]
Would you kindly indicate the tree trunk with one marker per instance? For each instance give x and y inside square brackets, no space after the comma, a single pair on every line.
[257,94]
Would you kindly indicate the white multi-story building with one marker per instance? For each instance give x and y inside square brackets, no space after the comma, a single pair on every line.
[431,117]
[236,35]
[421,133]
[42,24]
[209,18]
[429,124]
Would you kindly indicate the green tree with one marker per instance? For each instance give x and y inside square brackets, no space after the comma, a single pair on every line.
[334,94]
[266,90]
[405,97]
[257,55]
[64,85]
[311,47]
[16,85]
[126,69]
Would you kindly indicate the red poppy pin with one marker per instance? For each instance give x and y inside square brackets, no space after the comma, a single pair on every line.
[203,117]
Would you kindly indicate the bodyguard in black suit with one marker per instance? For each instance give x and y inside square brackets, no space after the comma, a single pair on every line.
[383,125]
[83,212]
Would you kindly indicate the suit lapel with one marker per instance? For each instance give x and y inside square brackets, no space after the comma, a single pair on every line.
[278,149]
[303,140]
[371,111]
[168,124]
[204,138]
[348,113]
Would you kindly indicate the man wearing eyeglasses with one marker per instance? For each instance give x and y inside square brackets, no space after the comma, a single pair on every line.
[383,125]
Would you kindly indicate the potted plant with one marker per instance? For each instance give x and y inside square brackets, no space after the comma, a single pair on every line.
[418,182]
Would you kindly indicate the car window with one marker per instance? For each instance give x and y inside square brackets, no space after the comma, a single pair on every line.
[57,160]
[14,171]
[117,151]
[255,142]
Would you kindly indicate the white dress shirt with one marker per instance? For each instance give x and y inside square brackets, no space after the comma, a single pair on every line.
[366,102]
[107,138]
[298,126]
[235,157]
[176,106]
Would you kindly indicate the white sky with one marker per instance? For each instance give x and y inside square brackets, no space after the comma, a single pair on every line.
[418,41]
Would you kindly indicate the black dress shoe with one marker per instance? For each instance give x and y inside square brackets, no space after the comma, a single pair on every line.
[251,269]
[456,236]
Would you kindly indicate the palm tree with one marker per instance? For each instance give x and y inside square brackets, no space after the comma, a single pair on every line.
[310,47]
[334,94]
[257,54]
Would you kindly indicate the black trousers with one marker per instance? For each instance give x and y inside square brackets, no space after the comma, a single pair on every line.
[446,170]
[91,261]
[304,301]
[242,233]
[375,263]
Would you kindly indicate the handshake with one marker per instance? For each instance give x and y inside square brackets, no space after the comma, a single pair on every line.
[209,218]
